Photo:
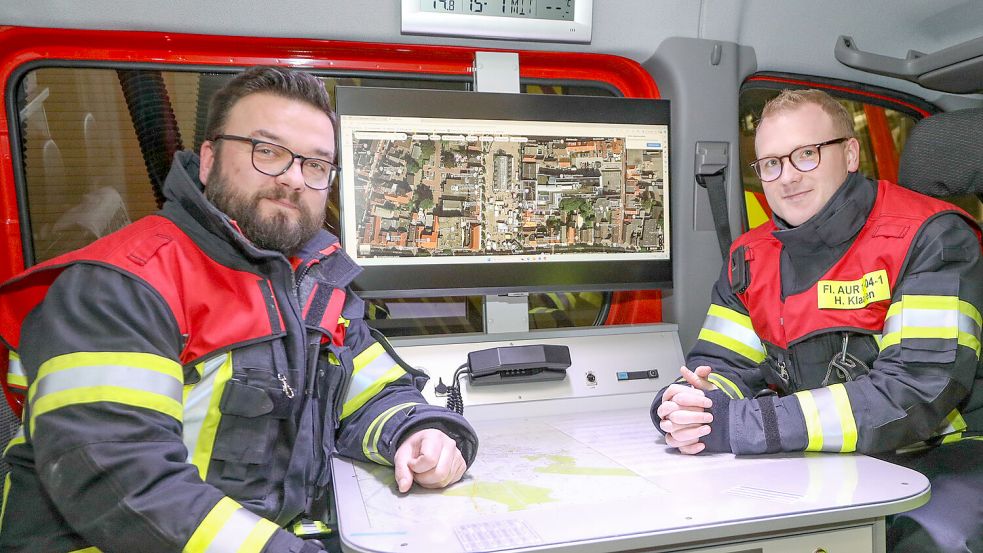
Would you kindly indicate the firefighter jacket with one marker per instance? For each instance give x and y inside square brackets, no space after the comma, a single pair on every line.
[185,388]
[859,330]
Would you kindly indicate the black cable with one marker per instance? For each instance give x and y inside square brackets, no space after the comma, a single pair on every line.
[454,400]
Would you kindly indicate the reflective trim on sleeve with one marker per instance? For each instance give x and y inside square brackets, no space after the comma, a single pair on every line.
[16,377]
[370,442]
[19,438]
[726,386]
[138,379]
[829,419]
[374,368]
[228,528]
[933,317]
[87,550]
[732,330]
[201,411]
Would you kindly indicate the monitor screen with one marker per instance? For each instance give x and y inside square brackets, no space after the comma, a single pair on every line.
[452,192]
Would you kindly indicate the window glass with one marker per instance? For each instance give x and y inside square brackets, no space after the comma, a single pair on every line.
[881,131]
[95,143]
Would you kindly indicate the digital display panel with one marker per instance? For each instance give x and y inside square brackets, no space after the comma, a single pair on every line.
[497,192]
[560,10]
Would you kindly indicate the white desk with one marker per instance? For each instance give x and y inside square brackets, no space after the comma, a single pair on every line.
[604,481]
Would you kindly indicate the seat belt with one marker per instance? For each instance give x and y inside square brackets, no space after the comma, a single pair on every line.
[711,168]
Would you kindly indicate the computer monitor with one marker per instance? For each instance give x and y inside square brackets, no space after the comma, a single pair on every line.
[454,192]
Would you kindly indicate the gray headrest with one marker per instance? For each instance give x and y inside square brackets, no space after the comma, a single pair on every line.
[944,155]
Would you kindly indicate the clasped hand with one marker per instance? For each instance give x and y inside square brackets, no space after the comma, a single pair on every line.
[682,414]
[430,458]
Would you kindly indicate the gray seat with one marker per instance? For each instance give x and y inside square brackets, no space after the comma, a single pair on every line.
[944,155]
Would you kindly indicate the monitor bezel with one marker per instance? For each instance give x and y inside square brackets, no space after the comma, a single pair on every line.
[395,280]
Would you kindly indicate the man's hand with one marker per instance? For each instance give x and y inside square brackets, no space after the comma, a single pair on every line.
[430,458]
[681,414]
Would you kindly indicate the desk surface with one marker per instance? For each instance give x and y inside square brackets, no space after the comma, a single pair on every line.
[605,481]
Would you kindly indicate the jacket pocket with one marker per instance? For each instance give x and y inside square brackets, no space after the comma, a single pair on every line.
[244,447]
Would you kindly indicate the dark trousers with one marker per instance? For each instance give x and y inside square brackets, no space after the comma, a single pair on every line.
[952,521]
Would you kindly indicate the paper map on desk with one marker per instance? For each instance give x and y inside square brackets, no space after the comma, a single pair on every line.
[521,465]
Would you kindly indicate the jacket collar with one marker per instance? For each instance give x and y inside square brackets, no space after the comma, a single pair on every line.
[837,222]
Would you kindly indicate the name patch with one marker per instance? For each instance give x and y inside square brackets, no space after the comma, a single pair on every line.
[854,294]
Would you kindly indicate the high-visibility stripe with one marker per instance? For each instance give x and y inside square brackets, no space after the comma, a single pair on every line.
[131,378]
[138,379]
[87,550]
[814,428]
[201,411]
[19,438]
[954,422]
[310,528]
[16,376]
[228,528]
[370,441]
[374,368]
[6,492]
[732,330]
[829,419]
[933,317]
[726,386]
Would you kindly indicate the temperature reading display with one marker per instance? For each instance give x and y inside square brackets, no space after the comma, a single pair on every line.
[557,10]
[550,20]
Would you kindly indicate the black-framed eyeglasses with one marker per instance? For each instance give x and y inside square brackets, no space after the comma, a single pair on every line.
[274,160]
[803,158]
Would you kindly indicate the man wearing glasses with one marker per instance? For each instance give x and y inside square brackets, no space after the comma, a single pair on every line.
[190,375]
[848,323]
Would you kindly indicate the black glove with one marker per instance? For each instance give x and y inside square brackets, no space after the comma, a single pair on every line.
[718,440]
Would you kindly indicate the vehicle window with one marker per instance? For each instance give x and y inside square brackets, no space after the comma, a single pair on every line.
[96,143]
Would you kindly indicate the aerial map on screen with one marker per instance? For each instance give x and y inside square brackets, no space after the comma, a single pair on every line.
[432,188]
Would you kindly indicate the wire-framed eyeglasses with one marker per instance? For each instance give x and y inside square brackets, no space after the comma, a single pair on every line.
[803,158]
[274,160]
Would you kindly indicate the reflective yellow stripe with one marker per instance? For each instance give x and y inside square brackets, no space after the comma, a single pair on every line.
[829,419]
[370,442]
[6,491]
[137,379]
[727,342]
[15,371]
[726,386]
[19,438]
[374,368]
[201,429]
[114,394]
[310,528]
[733,331]
[933,317]
[228,528]
[954,422]
[814,428]
[344,322]
[848,425]
[258,536]
[87,550]
[969,327]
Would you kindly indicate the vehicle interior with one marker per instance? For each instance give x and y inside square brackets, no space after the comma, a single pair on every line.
[99,96]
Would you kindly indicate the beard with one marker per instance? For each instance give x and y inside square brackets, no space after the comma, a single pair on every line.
[275,232]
